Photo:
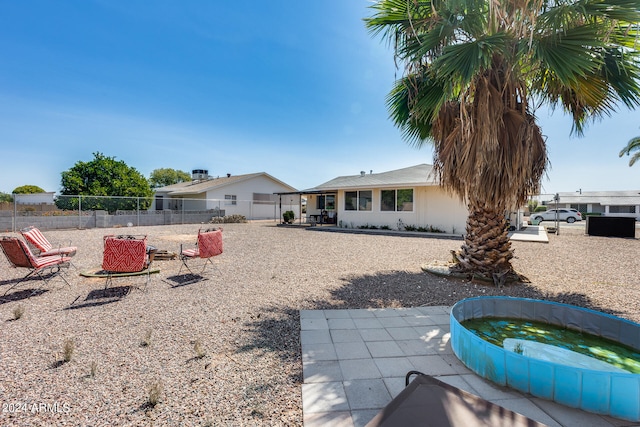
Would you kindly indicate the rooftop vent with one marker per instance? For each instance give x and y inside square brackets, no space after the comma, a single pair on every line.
[199,174]
[362,173]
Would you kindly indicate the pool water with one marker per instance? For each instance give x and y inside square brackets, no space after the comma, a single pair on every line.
[496,330]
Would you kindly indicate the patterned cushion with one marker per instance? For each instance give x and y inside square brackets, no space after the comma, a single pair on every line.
[210,243]
[35,236]
[124,255]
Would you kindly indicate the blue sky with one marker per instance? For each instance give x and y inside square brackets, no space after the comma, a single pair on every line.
[292,88]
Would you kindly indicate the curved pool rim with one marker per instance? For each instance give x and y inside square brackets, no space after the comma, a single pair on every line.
[609,393]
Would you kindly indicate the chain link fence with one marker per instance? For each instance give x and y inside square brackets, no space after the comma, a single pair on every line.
[65,212]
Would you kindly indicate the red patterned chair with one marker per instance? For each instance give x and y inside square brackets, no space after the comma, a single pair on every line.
[124,254]
[35,237]
[208,245]
[20,256]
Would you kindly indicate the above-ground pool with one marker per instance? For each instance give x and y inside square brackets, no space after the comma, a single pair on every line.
[600,391]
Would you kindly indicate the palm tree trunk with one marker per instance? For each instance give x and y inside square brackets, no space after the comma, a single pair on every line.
[487,248]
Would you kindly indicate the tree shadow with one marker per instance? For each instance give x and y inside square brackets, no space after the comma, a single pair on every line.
[277,328]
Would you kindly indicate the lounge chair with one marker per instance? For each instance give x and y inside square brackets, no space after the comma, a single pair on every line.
[123,255]
[208,245]
[427,401]
[20,256]
[35,237]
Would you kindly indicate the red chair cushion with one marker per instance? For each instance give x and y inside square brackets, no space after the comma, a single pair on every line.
[210,243]
[124,255]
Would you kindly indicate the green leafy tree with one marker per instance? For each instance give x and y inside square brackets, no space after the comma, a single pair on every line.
[28,189]
[104,176]
[633,145]
[474,73]
[4,197]
[167,176]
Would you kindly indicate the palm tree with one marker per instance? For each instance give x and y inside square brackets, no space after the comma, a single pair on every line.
[632,145]
[475,72]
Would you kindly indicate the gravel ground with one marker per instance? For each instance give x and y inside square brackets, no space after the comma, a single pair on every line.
[226,350]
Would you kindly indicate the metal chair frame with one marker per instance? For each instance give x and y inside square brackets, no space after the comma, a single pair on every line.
[19,255]
[207,254]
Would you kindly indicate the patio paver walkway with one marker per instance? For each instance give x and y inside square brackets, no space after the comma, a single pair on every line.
[354,363]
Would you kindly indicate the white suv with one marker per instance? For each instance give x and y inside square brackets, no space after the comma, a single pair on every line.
[569,215]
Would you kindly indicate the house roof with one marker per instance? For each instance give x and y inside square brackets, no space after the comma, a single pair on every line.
[202,186]
[611,198]
[419,175]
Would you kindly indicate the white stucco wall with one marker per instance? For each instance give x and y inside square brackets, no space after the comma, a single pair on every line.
[432,207]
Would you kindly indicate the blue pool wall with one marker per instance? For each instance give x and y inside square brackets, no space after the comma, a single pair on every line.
[609,393]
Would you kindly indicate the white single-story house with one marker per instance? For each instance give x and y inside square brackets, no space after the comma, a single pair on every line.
[606,203]
[397,199]
[46,198]
[251,195]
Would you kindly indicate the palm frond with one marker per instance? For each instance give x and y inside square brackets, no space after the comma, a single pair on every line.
[632,145]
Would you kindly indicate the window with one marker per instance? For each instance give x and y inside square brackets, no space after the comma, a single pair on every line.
[365,200]
[358,200]
[330,202]
[263,198]
[405,199]
[582,207]
[350,200]
[230,199]
[388,200]
[622,209]
[327,202]
[396,200]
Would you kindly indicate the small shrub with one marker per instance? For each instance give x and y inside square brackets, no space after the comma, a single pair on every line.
[288,217]
[18,312]
[67,351]
[385,227]
[410,228]
[541,208]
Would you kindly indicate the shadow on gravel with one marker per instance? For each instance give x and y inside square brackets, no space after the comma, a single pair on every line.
[177,281]
[99,297]
[20,295]
[277,328]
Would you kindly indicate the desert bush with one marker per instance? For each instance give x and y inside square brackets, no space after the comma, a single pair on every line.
[229,219]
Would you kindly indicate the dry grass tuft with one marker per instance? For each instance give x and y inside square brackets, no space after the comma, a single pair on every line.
[18,312]
[146,340]
[67,351]
[199,349]
[155,394]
